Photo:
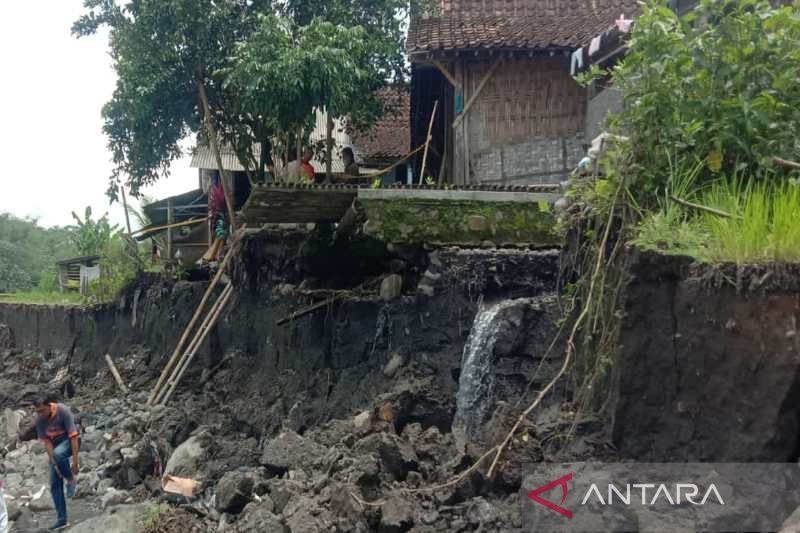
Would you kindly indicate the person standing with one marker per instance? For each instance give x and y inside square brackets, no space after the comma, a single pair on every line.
[56,427]
[349,162]
[217,216]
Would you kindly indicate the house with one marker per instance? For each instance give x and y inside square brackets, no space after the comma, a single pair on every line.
[508,111]
[388,141]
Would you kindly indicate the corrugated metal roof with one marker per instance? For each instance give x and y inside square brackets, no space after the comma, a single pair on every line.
[204,158]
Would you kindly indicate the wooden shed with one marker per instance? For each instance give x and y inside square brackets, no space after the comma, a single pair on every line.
[509,111]
[75,273]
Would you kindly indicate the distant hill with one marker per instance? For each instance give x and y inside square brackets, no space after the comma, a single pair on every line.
[28,252]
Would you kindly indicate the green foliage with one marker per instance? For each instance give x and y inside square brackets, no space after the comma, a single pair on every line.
[719,85]
[284,71]
[28,252]
[120,264]
[162,49]
[90,236]
[763,226]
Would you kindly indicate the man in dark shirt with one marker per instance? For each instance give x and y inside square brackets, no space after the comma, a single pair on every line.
[56,427]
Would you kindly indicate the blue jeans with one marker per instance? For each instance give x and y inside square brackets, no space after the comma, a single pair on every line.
[61,456]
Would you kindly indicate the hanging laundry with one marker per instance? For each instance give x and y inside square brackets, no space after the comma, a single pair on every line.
[623,24]
[576,64]
[594,46]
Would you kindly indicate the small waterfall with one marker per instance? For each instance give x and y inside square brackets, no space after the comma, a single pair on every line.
[476,382]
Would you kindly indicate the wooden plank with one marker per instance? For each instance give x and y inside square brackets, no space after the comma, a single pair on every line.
[115,373]
[478,91]
[446,73]
[296,205]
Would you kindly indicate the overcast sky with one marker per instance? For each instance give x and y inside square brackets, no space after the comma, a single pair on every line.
[52,151]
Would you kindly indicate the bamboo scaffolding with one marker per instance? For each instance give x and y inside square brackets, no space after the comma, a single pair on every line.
[224,297]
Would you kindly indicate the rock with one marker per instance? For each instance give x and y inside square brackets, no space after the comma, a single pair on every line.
[9,424]
[426,290]
[185,461]
[363,422]
[477,223]
[290,451]
[233,492]
[113,497]
[260,519]
[397,515]
[42,504]
[13,511]
[397,456]
[395,362]
[391,287]
[281,491]
[302,520]
[123,519]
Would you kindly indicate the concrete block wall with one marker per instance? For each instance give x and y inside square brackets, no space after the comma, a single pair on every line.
[538,160]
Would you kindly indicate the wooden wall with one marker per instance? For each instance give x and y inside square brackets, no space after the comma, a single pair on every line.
[526,124]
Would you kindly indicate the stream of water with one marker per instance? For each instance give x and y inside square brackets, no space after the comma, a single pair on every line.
[476,381]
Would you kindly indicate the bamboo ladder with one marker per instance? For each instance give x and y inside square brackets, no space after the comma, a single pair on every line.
[179,361]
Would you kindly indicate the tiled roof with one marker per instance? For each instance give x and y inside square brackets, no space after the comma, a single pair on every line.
[390,137]
[515,24]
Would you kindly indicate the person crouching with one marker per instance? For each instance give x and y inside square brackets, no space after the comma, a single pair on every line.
[56,427]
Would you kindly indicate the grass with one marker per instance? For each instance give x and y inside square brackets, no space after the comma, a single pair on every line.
[764,226]
[42,298]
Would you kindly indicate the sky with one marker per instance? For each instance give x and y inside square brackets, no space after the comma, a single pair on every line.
[52,89]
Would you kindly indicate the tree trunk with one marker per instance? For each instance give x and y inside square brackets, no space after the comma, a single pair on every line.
[329,146]
[212,138]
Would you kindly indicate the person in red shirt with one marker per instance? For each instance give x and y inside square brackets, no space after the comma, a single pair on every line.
[56,427]
[308,169]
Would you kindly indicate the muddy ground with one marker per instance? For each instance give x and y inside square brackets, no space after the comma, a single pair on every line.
[343,420]
[337,421]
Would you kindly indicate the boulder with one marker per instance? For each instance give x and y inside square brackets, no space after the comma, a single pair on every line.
[395,362]
[185,461]
[281,491]
[391,287]
[233,492]
[124,519]
[290,451]
[397,456]
[9,424]
[259,517]
[397,515]
[113,497]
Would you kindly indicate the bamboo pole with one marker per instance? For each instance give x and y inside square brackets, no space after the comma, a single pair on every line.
[202,337]
[786,163]
[174,358]
[125,206]
[166,226]
[212,138]
[192,346]
[115,373]
[427,142]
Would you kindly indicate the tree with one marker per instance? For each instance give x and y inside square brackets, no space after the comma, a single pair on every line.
[285,71]
[90,236]
[159,47]
[28,252]
[165,52]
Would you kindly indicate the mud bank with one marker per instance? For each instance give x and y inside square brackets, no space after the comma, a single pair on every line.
[709,366]
[331,362]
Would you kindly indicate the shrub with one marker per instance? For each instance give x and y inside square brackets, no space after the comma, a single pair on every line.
[719,85]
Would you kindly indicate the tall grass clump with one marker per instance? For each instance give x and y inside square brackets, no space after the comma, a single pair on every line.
[764,225]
